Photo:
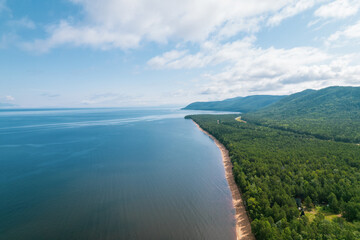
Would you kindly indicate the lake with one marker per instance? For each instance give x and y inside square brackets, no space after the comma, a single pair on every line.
[110,174]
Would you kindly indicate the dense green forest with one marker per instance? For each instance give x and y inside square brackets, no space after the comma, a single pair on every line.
[238,104]
[331,113]
[278,171]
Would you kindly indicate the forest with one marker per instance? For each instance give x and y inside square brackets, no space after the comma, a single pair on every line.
[331,113]
[295,184]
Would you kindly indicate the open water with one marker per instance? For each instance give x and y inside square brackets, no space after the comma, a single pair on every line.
[110,174]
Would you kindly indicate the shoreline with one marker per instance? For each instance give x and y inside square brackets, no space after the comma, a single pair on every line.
[243,226]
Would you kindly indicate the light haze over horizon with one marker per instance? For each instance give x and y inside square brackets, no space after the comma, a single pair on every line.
[118,53]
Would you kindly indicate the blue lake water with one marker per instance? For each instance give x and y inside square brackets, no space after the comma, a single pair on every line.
[110,174]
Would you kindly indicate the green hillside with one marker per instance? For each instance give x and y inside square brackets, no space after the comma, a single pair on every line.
[285,157]
[238,104]
[329,113]
[279,171]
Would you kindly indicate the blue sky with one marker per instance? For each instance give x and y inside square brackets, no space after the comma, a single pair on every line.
[118,53]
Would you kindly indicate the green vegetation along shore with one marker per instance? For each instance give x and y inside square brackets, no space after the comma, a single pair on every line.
[295,186]
[331,113]
[297,163]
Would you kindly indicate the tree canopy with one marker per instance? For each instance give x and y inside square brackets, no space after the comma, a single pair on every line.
[273,167]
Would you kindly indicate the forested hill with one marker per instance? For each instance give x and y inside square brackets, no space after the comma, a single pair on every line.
[279,171]
[329,113]
[238,104]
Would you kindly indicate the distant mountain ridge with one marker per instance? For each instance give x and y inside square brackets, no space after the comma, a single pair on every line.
[238,104]
[331,100]
[329,113]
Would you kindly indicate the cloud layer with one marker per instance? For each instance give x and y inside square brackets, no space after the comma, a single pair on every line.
[126,24]
[218,39]
[351,32]
[338,9]
[250,69]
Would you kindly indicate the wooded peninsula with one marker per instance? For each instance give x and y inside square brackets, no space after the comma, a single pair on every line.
[297,163]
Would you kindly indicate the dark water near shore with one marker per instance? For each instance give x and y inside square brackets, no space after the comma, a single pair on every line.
[110,174]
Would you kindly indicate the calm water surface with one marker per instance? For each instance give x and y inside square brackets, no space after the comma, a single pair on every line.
[110,174]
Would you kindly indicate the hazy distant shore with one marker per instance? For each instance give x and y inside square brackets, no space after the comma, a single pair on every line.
[243,226]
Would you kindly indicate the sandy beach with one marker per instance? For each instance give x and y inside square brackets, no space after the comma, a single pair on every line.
[243,227]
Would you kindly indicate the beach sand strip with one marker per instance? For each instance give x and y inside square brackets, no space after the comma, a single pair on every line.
[243,226]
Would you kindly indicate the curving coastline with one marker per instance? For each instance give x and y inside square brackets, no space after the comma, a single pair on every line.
[243,226]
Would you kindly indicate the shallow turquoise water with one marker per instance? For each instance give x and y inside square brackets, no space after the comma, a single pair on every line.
[110,174]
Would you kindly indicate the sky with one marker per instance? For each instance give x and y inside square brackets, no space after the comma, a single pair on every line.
[122,53]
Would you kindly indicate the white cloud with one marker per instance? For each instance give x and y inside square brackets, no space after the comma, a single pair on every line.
[209,25]
[338,9]
[231,28]
[9,98]
[290,10]
[350,32]
[276,78]
[126,24]
[7,101]
[171,56]
[244,51]
[64,33]
[211,53]
[251,70]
